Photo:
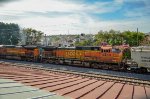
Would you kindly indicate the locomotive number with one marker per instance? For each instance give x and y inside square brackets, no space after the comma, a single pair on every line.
[71,53]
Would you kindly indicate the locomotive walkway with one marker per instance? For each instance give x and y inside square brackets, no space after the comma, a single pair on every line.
[72,85]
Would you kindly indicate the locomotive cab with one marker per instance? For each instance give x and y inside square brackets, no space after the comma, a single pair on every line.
[111,54]
[106,54]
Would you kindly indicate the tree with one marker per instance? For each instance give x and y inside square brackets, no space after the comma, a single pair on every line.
[146,41]
[9,33]
[113,37]
[99,38]
[84,43]
[33,37]
[131,37]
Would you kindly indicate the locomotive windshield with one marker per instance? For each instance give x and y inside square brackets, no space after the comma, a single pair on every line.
[115,50]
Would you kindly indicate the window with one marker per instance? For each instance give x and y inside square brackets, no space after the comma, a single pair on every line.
[116,50]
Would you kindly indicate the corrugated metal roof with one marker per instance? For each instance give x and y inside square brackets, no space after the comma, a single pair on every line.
[72,86]
[10,89]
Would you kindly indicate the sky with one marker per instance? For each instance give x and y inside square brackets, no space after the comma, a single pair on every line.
[55,17]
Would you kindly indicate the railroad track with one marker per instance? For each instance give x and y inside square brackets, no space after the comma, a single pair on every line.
[105,77]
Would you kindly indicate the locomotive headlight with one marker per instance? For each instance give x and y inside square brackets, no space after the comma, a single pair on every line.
[129,68]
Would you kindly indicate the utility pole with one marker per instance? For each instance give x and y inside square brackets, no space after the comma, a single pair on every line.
[137,38]
[45,40]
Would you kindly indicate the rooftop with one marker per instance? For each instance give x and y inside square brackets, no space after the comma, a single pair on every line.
[66,85]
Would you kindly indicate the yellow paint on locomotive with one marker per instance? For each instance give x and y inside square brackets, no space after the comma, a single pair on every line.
[22,52]
[69,54]
[87,55]
[15,51]
[79,54]
[11,51]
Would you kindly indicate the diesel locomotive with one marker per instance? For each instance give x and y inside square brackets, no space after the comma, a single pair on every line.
[107,56]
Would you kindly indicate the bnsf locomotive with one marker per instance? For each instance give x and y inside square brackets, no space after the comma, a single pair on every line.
[107,56]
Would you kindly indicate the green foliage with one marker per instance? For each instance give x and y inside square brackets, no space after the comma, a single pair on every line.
[9,33]
[77,36]
[84,43]
[133,38]
[113,37]
[33,37]
[127,54]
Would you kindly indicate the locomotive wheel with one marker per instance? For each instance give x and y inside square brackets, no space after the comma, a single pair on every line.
[95,65]
[143,70]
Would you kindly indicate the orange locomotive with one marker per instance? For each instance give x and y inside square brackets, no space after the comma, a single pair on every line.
[92,56]
[29,53]
[12,52]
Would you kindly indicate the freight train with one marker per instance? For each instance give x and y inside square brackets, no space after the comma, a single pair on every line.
[104,57]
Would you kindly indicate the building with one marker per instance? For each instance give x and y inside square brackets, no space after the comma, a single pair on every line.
[65,40]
